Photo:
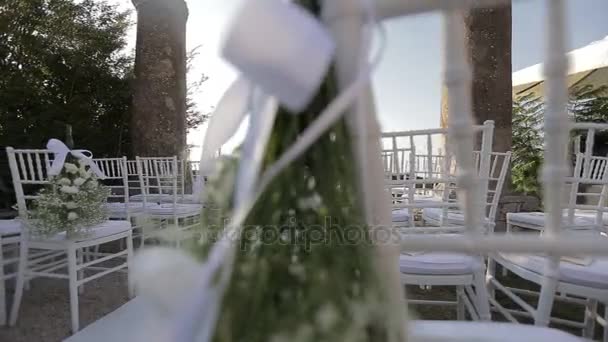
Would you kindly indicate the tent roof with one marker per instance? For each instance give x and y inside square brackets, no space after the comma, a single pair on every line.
[588,65]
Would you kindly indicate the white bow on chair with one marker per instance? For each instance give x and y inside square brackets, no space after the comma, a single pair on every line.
[61,151]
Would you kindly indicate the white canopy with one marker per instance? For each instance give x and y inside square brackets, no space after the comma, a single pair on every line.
[590,57]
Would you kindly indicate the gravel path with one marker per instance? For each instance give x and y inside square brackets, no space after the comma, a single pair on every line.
[45,311]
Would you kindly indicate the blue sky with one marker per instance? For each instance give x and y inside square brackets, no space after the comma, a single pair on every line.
[407,83]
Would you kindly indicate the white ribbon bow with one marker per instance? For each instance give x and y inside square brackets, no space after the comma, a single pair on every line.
[61,151]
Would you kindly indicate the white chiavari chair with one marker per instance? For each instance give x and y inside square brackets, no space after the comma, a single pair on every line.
[431,182]
[159,180]
[184,175]
[117,180]
[465,272]
[10,238]
[49,257]
[500,162]
[578,280]
[577,215]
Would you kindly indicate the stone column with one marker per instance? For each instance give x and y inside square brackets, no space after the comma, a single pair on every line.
[158,122]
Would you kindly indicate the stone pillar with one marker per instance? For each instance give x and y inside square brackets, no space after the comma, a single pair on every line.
[158,122]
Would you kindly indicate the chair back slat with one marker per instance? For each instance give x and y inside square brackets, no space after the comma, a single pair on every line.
[29,173]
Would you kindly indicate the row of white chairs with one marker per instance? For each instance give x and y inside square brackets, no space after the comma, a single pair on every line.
[155,211]
[474,275]
[464,272]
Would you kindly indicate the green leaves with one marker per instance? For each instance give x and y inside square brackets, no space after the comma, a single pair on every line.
[587,104]
[61,62]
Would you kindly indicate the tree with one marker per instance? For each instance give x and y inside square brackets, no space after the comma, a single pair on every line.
[489,41]
[61,63]
[158,125]
[194,115]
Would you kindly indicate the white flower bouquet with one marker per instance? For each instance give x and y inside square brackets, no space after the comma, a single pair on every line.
[72,203]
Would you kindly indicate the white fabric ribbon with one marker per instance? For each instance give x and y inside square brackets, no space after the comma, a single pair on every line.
[281,48]
[225,121]
[61,151]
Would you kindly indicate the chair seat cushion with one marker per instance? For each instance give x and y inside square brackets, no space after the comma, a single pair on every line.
[581,220]
[168,209]
[459,331]
[427,199]
[167,198]
[434,263]
[101,230]
[400,215]
[119,210]
[593,275]
[10,227]
[454,217]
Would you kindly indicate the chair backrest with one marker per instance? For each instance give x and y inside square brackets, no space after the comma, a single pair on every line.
[29,171]
[158,177]
[133,178]
[442,175]
[194,170]
[499,167]
[116,177]
[587,172]
[416,154]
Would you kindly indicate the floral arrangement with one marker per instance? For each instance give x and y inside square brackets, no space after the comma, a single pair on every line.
[303,261]
[72,202]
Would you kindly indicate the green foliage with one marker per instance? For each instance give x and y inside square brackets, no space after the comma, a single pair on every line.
[587,104]
[527,146]
[61,62]
[194,115]
[73,202]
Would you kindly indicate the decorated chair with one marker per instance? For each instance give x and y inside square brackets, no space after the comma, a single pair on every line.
[57,254]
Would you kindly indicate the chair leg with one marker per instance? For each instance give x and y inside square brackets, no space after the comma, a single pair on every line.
[605,334]
[460,307]
[491,274]
[130,265]
[509,229]
[547,294]
[2,288]
[481,294]
[20,282]
[80,258]
[590,317]
[73,280]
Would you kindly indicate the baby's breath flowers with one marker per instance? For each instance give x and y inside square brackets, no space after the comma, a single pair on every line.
[73,202]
